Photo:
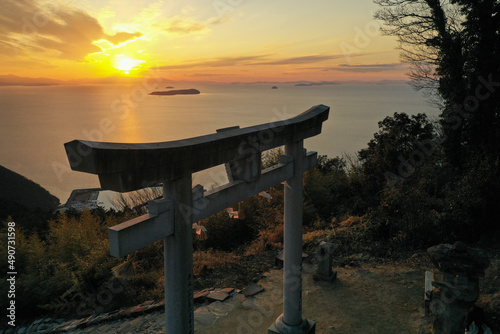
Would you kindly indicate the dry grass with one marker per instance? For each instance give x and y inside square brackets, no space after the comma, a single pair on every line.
[257,247]
[211,259]
[312,239]
[269,238]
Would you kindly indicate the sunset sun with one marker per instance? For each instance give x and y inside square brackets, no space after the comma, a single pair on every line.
[126,64]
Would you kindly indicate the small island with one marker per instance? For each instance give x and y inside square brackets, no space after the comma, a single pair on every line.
[274,87]
[176,92]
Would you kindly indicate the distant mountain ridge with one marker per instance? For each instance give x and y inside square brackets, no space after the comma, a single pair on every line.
[14,80]
[147,81]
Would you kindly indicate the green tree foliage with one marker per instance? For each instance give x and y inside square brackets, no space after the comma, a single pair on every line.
[326,190]
[402,145]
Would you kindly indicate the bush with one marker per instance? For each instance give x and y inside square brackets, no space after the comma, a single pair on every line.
[225,233]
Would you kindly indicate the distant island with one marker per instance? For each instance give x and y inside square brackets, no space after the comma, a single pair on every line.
[274,87]
[321,83]
[176,92]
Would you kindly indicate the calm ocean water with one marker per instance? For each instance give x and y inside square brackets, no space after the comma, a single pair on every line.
[35,122]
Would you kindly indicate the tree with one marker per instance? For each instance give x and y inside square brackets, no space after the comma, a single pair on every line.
[400,147]
[454,46]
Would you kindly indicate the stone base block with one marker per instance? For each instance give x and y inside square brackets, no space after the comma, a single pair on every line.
[279,327]
[332,277]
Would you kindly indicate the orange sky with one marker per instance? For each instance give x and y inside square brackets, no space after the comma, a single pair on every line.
[220,40]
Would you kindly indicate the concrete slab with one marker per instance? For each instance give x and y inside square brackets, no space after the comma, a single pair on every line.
[227,290]
[204,316]
[217,296]
[252,290]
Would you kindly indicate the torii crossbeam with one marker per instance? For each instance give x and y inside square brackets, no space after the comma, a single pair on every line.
[127,167]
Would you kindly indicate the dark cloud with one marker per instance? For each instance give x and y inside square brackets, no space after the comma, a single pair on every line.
[31,27]
[121,37]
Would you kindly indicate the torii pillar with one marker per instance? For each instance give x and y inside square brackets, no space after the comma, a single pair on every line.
[178,259]
[291,321]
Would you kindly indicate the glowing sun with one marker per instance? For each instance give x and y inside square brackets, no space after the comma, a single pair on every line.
[126,64]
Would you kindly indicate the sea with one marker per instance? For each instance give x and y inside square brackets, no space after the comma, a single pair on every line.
[36,121]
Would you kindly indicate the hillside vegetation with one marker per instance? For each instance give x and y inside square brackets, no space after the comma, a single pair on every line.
[25,201]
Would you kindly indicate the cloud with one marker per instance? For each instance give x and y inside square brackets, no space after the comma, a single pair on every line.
[52,29]
[196,75]
[368,67]
[121,37]
[255,60]
[301,60]
[180,25]
[218,62]
[184,26]
[218,20]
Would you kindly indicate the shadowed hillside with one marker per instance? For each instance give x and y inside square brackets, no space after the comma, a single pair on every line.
[24,200]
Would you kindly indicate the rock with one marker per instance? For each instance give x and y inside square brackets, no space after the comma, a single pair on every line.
[452,297]
[113,315]
[252,290]
[199,297]
[220,309]
[465,292]
[249,303]
[146,304]
[204,316]
[459,259]
[217,296]
[227,290]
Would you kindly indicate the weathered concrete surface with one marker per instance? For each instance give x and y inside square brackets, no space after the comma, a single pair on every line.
[375,300]
[127,167]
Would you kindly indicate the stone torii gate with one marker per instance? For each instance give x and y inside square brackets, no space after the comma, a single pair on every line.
[128,167]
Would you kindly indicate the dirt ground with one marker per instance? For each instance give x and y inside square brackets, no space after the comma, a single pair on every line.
[366,300]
